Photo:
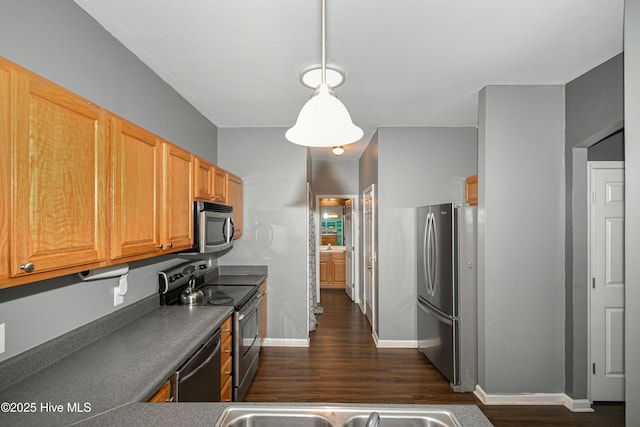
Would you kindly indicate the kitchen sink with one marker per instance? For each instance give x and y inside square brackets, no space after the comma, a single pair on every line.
[328,416]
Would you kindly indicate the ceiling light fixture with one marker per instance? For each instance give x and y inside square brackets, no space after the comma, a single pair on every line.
[324,121]
[338,151]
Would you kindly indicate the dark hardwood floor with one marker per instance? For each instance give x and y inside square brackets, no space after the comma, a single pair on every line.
[342,365]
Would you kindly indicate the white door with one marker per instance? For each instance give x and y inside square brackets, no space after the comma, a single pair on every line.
[348,247]
[369,254]
[607,280]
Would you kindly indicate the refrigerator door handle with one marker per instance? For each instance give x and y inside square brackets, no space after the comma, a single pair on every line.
[432,254]
[434,263]
[427,255]
[444,319]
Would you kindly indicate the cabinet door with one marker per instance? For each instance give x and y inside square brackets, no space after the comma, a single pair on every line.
[58,175]
[203,180]
[137,185]
[177,209]
[325,265]
[234,198]
[338,269]
[219,185]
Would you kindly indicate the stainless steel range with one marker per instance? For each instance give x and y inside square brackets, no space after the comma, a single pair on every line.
[192,284]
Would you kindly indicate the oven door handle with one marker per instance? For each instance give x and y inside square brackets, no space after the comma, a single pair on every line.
[252,307]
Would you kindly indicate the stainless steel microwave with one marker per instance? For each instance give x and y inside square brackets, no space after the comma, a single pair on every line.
[213,227]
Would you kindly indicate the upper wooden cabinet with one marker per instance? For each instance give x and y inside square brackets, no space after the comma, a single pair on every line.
[53,188]
[151,178]
[137,186]
[177,222]
[81,188]
[234,198]
[209,182]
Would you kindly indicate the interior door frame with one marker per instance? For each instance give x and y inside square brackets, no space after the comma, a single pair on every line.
[355,223]
[591,165]
[370,189]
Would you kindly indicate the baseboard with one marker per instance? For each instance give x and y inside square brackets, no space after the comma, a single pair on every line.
[285,342]
[574,405]
[396,343]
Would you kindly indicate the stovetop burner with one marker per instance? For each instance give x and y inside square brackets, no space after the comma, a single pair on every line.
[220,301]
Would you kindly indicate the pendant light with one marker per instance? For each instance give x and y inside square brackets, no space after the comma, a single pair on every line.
[324,121]
[338,151]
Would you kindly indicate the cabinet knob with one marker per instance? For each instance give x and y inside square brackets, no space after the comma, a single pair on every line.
[28,267]
[159,246]
[169,245]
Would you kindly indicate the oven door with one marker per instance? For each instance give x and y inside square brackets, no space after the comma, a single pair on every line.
[246,346]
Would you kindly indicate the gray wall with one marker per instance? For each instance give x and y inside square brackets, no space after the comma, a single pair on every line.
[59,41]
[274,175]
[609,149]
[521,239]
[632,207]
[593,111]
[335,177]
[417,166]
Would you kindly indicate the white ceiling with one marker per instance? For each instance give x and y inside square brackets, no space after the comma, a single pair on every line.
[408,62]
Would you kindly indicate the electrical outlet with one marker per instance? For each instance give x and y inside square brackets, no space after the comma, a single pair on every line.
[1,338]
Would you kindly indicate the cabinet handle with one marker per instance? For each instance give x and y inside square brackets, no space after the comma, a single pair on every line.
[228,351]
[227,373]
[169,245]
[159,246]
[28,267]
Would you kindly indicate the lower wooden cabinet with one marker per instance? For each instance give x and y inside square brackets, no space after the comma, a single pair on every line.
[163,394]
[471,189]
[332,269]
[226,365]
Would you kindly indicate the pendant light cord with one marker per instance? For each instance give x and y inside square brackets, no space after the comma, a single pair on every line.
[324,55]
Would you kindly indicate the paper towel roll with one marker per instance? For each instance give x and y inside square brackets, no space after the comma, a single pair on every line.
[104,272]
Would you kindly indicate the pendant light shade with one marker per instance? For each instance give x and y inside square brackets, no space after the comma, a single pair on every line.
[324,121]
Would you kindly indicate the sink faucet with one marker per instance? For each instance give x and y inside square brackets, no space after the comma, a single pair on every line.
[373,420]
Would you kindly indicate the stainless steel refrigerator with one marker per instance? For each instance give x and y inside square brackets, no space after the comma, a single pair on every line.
[447,291]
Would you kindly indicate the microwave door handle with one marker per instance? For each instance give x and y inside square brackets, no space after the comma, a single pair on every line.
[232,229]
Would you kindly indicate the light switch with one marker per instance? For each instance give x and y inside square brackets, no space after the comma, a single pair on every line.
[1,338]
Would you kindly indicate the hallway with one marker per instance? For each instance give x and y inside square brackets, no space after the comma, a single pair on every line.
[342,365]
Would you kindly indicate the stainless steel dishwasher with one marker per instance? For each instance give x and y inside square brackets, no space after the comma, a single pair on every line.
[198,380]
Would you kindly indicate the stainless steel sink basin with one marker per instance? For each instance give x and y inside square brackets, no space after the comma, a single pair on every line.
[329,416]
[430,420]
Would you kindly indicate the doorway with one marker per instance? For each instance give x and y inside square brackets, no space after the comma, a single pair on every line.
[606,293]
[337,244]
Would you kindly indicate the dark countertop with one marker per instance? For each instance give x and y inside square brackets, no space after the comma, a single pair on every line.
[126,366]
